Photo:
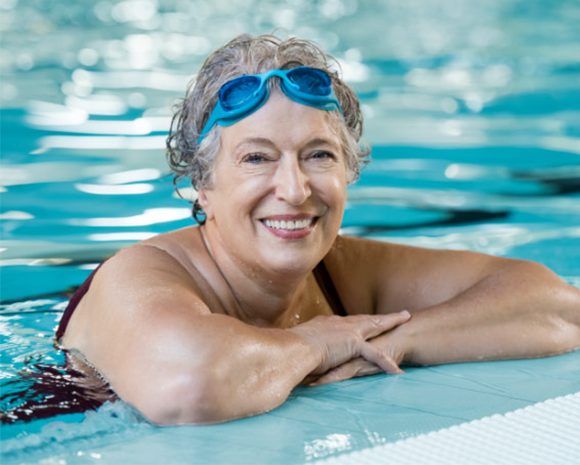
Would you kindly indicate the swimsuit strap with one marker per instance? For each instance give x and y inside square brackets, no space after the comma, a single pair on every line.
[326,285]
[74,301]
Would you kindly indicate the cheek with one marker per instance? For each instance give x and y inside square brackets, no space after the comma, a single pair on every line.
[232,202]
[332,191]
[338,190]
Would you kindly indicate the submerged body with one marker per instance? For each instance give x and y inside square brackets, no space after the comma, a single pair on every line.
[220,321]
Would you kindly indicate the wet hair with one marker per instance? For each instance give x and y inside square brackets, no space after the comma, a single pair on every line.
[253,55]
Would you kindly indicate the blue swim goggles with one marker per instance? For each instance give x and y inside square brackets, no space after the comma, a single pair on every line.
[242,96]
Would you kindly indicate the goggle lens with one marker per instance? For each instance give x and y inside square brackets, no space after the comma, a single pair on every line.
[311,81]
[237,92]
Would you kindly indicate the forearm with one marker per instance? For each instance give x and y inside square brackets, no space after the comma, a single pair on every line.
[520,311]
[236,370]
[256,374]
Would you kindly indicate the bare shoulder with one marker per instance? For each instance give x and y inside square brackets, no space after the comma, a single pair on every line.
[161,269]
[354,248]
[359,259]
[146,268]
[394,277]
[138,290]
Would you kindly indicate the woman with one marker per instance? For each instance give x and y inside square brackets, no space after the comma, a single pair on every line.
[222,320]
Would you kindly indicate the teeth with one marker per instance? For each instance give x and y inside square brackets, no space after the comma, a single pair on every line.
[288,225]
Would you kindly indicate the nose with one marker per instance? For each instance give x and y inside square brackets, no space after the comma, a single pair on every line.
[292,183]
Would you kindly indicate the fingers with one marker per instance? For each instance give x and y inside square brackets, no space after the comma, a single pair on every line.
[348,370]
[336,340]
[374,325]
[371,361]
[376,356]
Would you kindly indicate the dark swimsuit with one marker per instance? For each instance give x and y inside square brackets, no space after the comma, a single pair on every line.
[320,274]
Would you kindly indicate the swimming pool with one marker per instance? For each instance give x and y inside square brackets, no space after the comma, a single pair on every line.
[473,114]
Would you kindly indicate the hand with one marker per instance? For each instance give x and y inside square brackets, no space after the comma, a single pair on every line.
[359,366]
[351,369]
[341,339]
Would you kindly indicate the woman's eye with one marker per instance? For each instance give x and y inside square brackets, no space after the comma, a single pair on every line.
[254,158]
[321,154]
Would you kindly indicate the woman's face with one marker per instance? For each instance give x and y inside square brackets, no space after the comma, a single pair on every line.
[279,188]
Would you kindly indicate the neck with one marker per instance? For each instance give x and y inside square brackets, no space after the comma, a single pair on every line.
[260,297]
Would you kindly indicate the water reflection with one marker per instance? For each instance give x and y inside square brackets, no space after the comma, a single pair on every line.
[98,189]
[128,237]
[123,177]
[102,142]
[34,261]
[101,104]
[331,444]
[148,217]
[42,114]
[42,172]
[15,215]
[133,79]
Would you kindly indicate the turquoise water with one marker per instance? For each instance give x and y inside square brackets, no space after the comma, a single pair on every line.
[473,112]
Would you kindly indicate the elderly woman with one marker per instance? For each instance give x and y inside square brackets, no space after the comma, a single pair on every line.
[222,320]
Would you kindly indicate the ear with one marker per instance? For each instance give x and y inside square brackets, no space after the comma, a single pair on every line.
[204,200]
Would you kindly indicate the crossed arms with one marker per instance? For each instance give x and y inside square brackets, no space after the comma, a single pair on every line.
[152,333]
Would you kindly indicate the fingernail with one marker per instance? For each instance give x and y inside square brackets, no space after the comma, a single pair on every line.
[405,313]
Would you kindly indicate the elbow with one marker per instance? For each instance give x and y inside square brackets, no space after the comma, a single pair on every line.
[563,321]
[563,337]
[553,304]
[209,397]
[569,320]
[558,299]
[191,398]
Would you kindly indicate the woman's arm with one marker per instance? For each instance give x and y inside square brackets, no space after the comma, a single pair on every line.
[467,307]
[519,310]
[146,328]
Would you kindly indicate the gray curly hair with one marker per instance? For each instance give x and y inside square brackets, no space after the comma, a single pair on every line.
[253,55]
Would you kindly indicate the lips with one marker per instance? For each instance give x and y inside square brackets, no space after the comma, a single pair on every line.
[290,226]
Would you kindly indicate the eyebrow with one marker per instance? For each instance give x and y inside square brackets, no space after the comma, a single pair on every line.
[270,143]
[256,141]
[322,141]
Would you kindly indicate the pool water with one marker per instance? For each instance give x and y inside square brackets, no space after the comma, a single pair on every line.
[473,113]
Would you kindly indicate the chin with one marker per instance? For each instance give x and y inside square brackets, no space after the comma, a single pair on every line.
[293,262]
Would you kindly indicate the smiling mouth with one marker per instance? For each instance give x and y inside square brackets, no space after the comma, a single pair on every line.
[289,225]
